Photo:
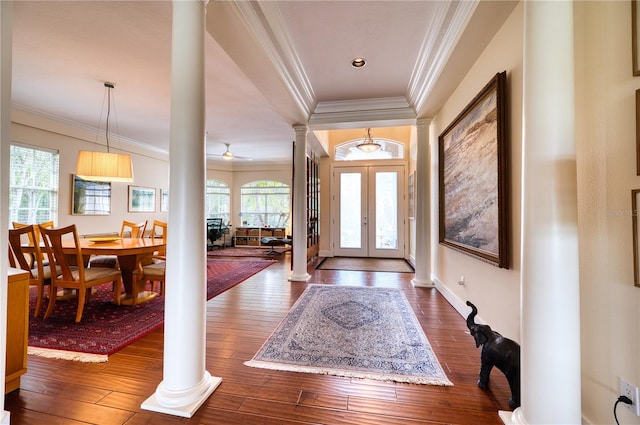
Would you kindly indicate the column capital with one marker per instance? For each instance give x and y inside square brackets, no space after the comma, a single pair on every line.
[423,122]
[300,129]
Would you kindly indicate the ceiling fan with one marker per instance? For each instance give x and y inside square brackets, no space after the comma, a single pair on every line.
[228,156]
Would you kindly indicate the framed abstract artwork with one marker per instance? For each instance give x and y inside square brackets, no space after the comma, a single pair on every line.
[164,200]
[90,197]
[142,199]
[473,173]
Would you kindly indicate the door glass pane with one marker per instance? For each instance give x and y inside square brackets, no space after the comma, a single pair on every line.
[350,210]
[386,210]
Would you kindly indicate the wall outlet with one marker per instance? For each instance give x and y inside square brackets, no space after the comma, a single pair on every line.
[630,391]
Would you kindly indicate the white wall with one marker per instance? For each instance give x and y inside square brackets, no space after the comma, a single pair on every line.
[147,170]
[606,148]
[495,291]
[150,169]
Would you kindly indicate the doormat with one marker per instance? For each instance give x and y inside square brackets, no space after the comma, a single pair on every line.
[395,265]
[359,332]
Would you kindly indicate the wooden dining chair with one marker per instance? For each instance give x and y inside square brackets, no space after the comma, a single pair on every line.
[73,274]
[47,224]
[39,273]
[129,229]
[151,268]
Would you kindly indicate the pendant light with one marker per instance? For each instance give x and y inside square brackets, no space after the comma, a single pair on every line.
[105,166]
[368,145]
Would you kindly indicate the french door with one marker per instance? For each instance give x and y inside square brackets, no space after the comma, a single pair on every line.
[369,211]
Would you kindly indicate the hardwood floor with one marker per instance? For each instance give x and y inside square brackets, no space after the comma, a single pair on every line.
[61,392]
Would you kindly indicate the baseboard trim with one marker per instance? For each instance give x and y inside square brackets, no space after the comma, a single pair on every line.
[461,307]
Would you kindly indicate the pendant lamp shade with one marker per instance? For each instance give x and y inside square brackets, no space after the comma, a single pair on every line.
[105,166]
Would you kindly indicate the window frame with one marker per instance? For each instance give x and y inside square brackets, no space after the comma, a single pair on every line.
[26,184]
[217,188]
[265,189]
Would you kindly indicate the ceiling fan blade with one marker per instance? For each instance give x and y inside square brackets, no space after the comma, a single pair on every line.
[228,155]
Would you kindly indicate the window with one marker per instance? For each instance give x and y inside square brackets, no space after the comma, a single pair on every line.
[348,151]
[33,184]
[218,200]
[265,203]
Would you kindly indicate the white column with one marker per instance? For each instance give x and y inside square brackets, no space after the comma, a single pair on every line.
[550,367]
[186,384]
[5,137]
[299,230]
[423,206]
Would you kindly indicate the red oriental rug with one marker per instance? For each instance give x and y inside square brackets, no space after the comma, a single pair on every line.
[262,252]
[106,328]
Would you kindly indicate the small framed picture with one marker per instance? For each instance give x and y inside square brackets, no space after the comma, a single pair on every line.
[142,199]
[90,197]
[164,200]
[412,195]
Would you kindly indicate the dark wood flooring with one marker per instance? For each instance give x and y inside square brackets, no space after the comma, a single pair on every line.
[58,392]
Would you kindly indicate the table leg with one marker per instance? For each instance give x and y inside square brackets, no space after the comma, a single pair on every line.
[127,266]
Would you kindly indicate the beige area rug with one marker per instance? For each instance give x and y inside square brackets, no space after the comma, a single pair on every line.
[394,265]
[357,332]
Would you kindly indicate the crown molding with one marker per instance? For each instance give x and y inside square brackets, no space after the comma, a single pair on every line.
[265,22]
[363,112]
[35,118]
[451,18]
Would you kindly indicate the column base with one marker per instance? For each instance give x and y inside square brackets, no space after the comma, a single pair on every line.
[299,277]
[5,418]
[186,410]
[422,283]
[512,418]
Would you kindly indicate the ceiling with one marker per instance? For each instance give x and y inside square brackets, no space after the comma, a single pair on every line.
[269,65]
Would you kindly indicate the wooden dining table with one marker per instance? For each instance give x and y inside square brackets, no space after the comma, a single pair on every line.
[129,251]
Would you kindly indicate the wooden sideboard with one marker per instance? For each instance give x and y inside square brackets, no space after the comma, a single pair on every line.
[17,328]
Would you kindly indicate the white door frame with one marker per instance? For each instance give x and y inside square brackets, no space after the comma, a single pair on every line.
[368,208]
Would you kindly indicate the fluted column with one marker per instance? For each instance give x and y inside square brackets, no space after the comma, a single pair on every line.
[6,20]
[186,384]
[299,231]
[423,206]
[550,367]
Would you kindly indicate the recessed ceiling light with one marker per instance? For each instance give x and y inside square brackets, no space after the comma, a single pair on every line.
[358,62]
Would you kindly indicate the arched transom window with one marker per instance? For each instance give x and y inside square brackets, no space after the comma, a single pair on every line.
[389,149]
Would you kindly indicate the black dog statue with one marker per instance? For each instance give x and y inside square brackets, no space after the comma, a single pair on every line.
[497,351]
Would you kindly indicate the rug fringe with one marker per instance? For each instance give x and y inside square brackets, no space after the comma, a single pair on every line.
[350,373]
[67,355]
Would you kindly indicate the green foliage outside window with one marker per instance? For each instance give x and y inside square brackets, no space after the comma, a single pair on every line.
[33,185]
[265,203]
[218,200]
